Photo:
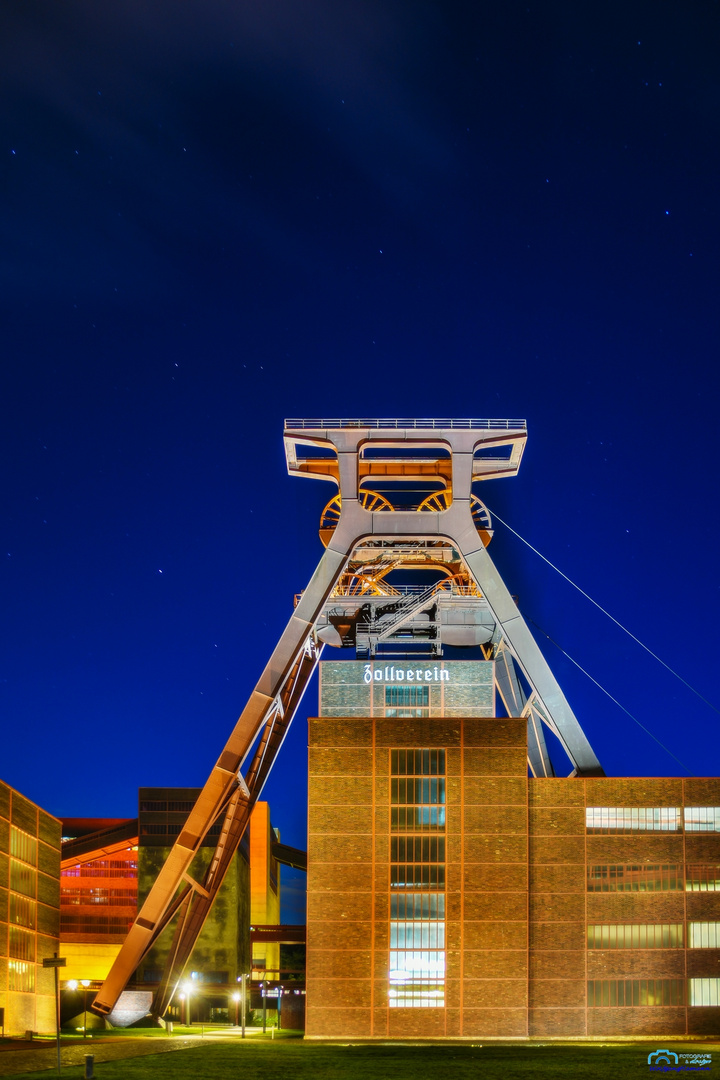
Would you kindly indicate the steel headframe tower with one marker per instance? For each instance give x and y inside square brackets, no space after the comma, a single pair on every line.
[367,534]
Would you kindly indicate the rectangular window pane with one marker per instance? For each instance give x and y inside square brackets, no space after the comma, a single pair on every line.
[704,935]
[702,878]
[609,993]
[22,911]
[702,818]
[635,936]
[21,943]
[417,869]
[23,846]
[21,976]
[22,878]
[630,819]
[704,991]
[634,878]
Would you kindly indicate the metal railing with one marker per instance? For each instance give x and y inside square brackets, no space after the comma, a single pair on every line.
[437,425]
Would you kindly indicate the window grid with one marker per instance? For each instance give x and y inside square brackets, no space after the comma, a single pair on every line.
[111,897]
[702,818]
[704,992]
[23,846]
[630,819]
[703,935]
[609,993]
[23,911]
[635,878]
[21,943]
[97,870]
[22,878]
[702,878]
[635,936]
[416,977]
[21,976]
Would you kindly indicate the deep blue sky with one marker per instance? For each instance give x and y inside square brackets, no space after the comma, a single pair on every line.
[217,214]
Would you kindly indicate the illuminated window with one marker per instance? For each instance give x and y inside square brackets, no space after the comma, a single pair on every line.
[23,846]
[417,879]
[702,879]
[634,878]
[21,976]
[702,818]
[610,993]
[22,878]
[636,936]
[704,935]
[417,791]
[629,819]
[704,992]
[407,700]
[23,911]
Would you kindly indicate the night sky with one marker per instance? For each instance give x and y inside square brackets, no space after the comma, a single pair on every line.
[218,214]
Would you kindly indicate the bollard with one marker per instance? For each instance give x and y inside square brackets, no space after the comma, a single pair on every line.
[89,1062]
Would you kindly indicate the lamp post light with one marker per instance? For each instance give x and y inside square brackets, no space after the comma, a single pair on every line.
[236,999]
[188,987]
[85,983]
[74,984]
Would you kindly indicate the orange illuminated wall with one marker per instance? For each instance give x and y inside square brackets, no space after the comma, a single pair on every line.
[264,889]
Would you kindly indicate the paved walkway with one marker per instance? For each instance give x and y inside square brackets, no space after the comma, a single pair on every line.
[20,1057]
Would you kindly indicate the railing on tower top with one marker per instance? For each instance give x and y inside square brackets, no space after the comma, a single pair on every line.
[443,425]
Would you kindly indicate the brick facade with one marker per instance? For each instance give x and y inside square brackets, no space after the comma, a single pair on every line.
[517,903]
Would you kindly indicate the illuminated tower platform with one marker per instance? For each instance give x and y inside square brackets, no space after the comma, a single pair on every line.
[451,873]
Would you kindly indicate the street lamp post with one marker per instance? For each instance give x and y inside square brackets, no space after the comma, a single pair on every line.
[85,983]
[73,985]
[236,999]
[188,990]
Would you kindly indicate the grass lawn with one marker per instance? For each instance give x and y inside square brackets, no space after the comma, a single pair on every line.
[289,1058]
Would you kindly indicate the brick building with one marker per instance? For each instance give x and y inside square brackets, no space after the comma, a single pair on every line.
[451,894]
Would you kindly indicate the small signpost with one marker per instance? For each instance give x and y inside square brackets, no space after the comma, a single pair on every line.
[56,962]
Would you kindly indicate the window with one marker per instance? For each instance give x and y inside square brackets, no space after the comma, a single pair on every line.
[702,878]
[629,819]
[21,976]
[21,943]
[23,846]
[634,878]
[22,878]
[417,876]
[704,992]
[417,790]
[22,911]
[636,936]
[407,700]
[703,935]
[160,829]
[702,818]
[608,993]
